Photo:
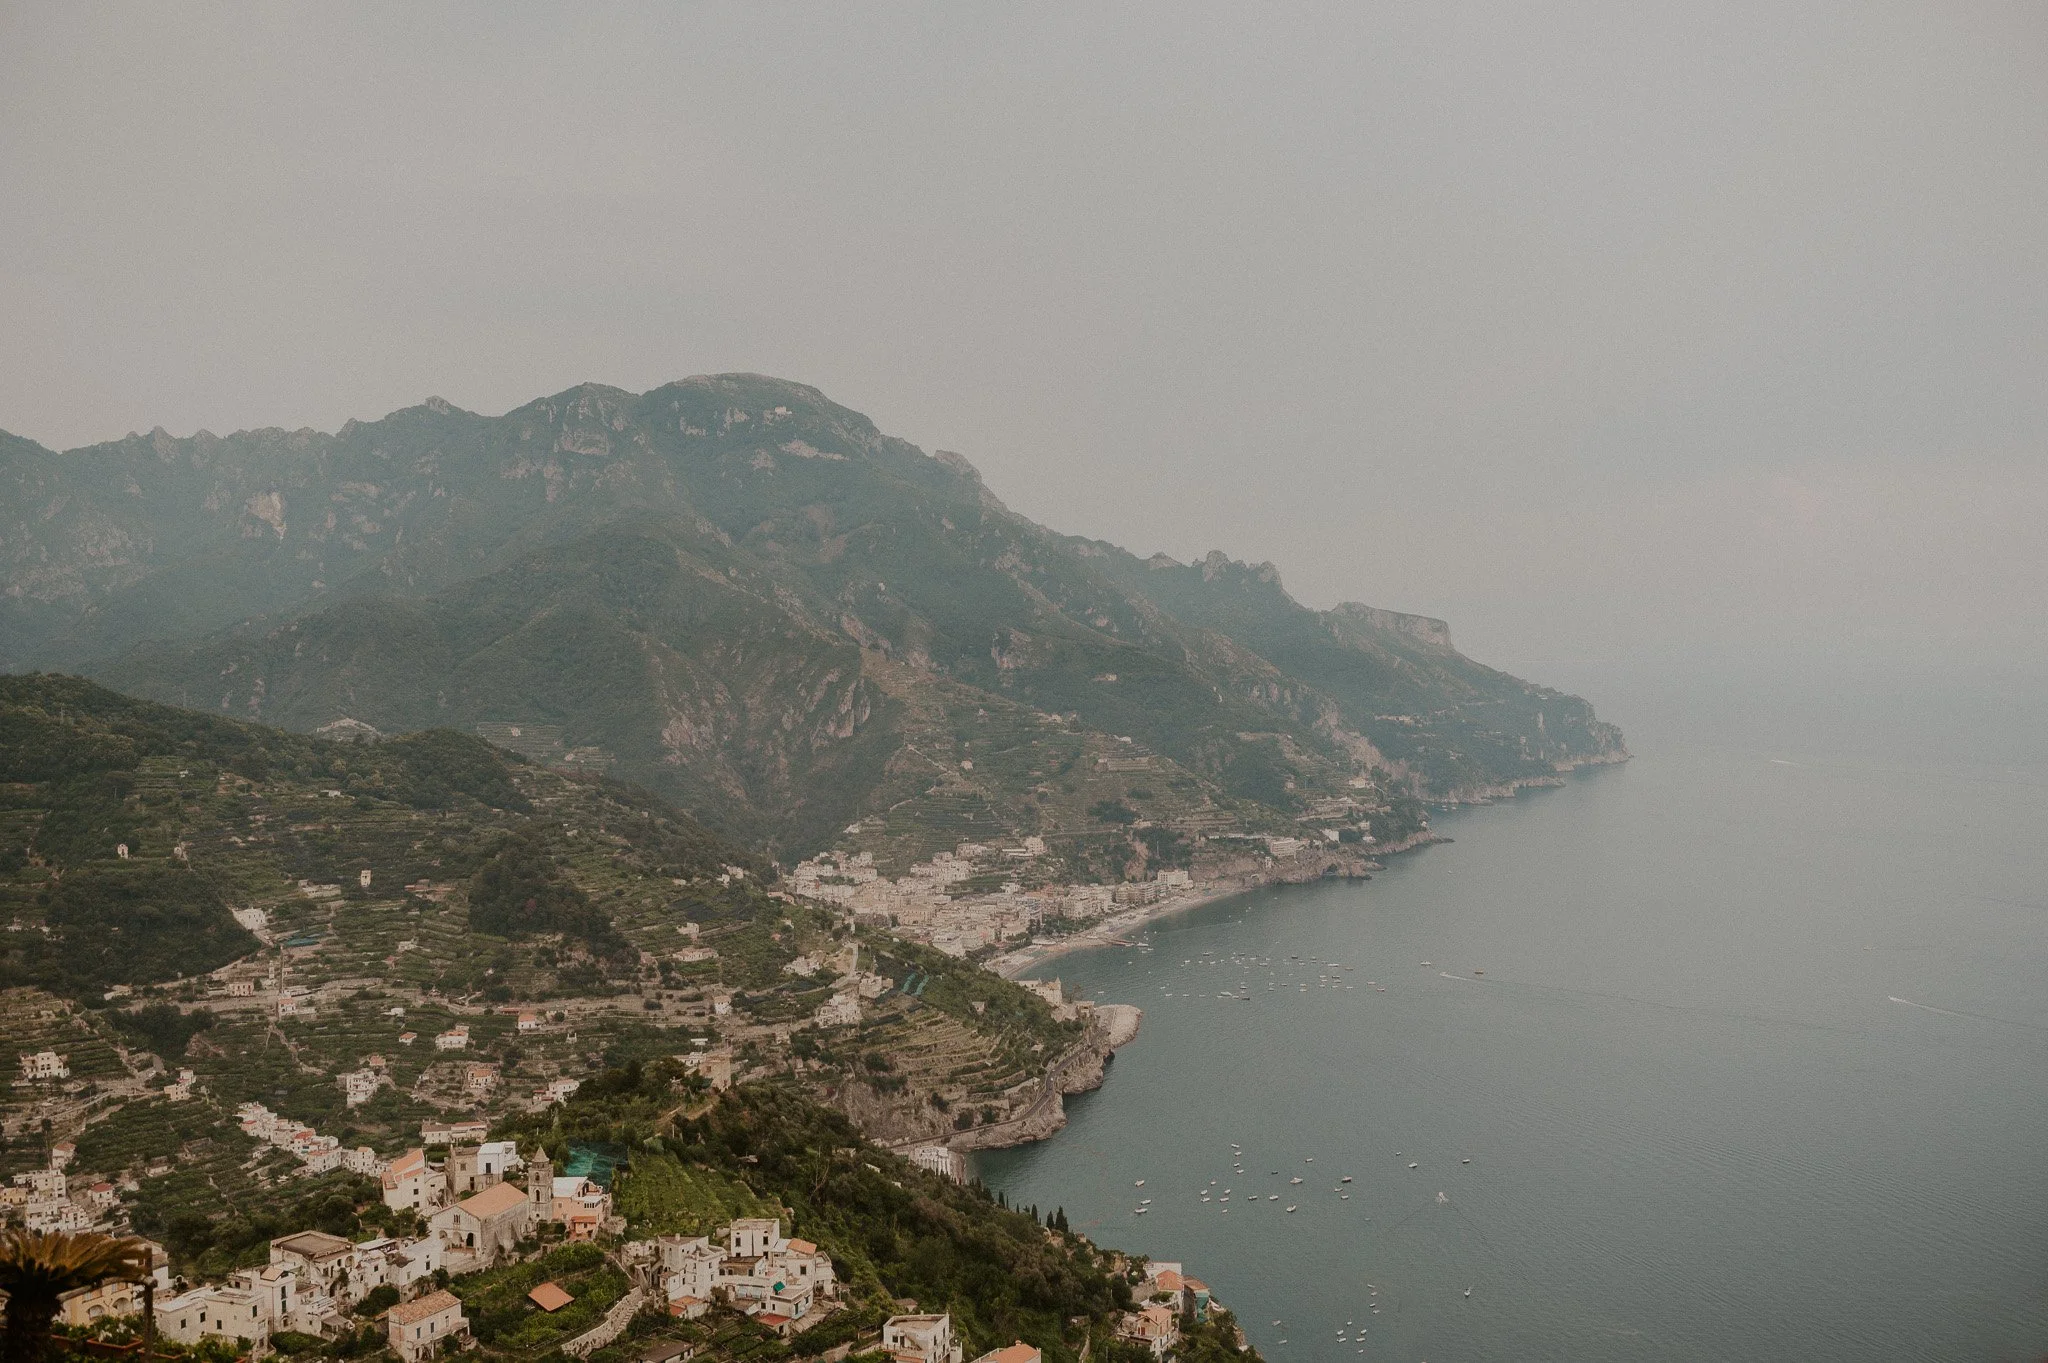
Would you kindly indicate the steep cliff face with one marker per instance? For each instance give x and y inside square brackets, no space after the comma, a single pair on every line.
[1425,631]
[1434,722]
[737,591]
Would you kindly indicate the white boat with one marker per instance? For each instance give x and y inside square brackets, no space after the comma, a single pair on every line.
[1347,1178]
[1290,1210]
[1141,1211]
[1294,1180]
[1413,1165]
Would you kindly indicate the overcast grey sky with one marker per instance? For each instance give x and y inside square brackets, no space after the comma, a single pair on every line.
[1603,331]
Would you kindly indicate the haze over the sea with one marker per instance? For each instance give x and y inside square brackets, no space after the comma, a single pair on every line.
[1743,1041]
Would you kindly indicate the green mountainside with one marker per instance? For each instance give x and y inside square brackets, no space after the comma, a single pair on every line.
[265,911]
[740,594]
[270,910]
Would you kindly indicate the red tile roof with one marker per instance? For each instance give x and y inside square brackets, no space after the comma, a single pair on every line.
[549,1297]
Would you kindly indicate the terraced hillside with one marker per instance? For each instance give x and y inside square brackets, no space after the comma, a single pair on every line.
[287,910]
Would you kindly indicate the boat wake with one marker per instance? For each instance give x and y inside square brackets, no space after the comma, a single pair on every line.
[1975,1017]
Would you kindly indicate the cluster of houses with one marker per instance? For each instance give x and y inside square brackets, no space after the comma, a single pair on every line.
[43,1200]
[471,1202]
[852,988]
[316,1152]
[309,1285]
[784,1283]
[1166,1300]
[926,902]
[930,904]
[477,1214]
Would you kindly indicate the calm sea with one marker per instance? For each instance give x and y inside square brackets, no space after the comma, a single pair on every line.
[1757,1066]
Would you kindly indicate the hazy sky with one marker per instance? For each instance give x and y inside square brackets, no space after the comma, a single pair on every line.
[1603,331]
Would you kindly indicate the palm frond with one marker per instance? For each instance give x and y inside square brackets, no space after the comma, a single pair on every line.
[33,1263]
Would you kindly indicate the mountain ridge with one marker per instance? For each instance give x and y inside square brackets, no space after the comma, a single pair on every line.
[703,585]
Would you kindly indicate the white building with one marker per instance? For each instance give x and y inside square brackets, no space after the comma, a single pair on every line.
[324,1264]
[275,1288]
[411,1183]
[1049,990]
[686,1271]
[416,1329]
[46,1184]
[61,1214]
[841,1010]
[358,1086]
[920,1339]
[495,1161]
[940,1160]
[230,1312]
[452,1133]
[397,1263]
[750,1237]
[456,1038]
[44,1065]
[801,1263]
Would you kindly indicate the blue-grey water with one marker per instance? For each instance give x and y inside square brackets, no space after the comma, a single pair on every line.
[1757,1069]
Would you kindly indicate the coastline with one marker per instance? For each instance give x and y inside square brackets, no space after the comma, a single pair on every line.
[1047,1116]
[1106,931]
[1507,790]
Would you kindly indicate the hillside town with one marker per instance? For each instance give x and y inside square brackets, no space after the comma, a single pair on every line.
[485,1206]
[980,897]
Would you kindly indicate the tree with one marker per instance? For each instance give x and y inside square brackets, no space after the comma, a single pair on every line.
[37,1268]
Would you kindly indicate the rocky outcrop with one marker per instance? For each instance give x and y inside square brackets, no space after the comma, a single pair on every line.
[1423,629]
[1082,1068]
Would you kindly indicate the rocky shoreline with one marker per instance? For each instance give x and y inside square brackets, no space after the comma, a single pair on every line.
[1507,790]
[1082,1067]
